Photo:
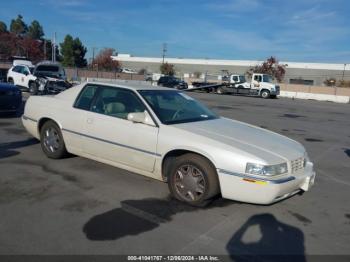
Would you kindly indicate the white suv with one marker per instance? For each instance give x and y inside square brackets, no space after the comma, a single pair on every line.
[22,76]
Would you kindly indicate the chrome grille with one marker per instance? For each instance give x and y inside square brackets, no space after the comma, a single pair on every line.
[297,164]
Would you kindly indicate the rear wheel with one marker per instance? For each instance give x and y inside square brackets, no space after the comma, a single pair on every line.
[52,141]
[193,179]
[265,94]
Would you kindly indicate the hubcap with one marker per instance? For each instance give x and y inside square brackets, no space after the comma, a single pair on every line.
[189,182]
[51,140]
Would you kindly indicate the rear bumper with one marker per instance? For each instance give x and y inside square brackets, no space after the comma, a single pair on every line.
[31,125]
[239,187]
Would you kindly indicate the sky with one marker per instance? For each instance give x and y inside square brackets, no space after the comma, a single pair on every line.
[291,30]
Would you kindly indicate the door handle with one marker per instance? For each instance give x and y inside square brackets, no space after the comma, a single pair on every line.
[89,120]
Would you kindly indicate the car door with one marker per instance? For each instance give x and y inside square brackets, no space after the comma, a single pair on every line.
[16,75]
[110,136]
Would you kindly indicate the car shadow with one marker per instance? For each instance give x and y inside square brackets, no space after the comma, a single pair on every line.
[278,241]
[137,216]
[6,149]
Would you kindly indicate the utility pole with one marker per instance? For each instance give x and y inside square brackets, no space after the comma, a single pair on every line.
[93,56]
[164,51]
[54,48]
[342,79]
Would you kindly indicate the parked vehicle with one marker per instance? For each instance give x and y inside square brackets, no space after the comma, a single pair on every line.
[21,74]
[50,79]
[261,85]
[45,78]
[128,71]
[10,98]
[167,135]
[172,82]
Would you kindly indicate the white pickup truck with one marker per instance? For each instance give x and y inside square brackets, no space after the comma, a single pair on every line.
[261,85]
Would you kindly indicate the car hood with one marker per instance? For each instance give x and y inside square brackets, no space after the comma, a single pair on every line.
[256,141]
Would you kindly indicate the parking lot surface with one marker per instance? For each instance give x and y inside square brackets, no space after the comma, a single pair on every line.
[78,206]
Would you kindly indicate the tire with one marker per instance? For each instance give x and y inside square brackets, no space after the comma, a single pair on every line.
[33,88]
[265,94]
[10,81]
[51,141]
[193,179]
[220,91]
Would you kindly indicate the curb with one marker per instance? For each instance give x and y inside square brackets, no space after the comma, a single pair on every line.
[318,97]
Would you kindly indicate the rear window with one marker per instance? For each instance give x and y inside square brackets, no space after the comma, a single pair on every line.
[85,98]
[48,68]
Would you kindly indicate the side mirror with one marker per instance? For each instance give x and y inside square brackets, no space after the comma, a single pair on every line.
[26,73]
[141,117]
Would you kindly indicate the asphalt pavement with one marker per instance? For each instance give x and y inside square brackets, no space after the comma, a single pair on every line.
[79,206]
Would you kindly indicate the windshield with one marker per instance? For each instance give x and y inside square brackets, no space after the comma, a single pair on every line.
[174,107]
[267,78]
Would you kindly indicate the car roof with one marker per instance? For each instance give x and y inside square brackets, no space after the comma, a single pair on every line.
[130,84]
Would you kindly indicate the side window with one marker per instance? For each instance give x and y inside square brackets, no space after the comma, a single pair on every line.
[235,78]
[117,102]
[85,98]
[257,78]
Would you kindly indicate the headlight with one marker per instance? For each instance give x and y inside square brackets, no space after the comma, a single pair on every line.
[271,170]
[42,81]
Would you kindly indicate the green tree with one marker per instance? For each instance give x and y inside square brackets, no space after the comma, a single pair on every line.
[3,27]
[167,69]
[35,30]
[67,51]
[18,26]
[73,52]
[79,53]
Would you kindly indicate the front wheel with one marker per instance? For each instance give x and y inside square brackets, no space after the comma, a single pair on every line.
[193,179]
[265,94]
[33,88]
[52,141]
[220,91]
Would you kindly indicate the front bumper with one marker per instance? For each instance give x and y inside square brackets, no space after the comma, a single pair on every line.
[248,189]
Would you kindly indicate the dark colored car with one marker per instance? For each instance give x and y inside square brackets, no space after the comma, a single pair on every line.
[172,82]
[10,98]
[51,78]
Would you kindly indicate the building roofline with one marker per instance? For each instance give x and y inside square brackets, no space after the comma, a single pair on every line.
[218,62]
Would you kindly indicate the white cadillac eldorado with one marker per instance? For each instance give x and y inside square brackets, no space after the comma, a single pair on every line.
[167,135]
